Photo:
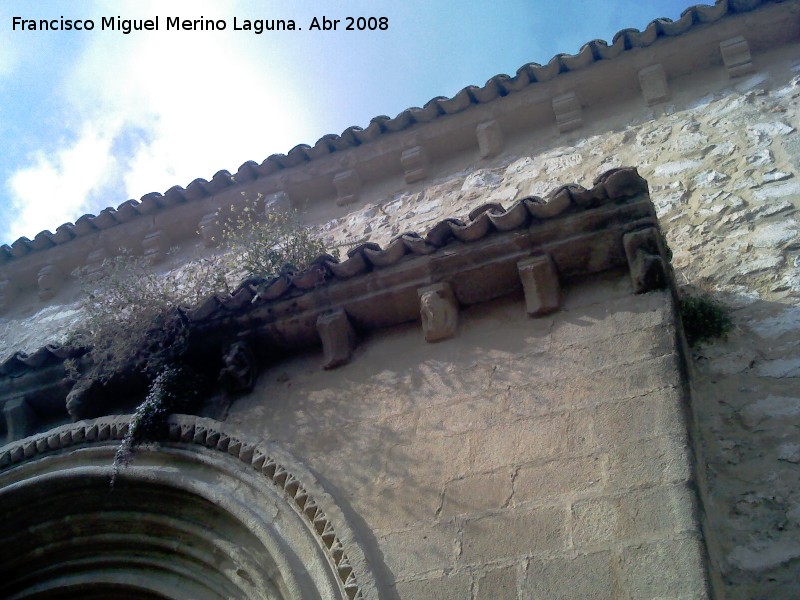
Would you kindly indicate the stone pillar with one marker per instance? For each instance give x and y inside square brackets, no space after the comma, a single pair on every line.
[568,112]
[736,56]
[540,284]
[338,338]
[49,279]
[644,250]
[348,186]
[490,138]
[415,164]
[653,81]
[438,309]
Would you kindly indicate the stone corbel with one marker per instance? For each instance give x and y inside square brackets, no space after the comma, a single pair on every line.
[490,138]
[21,420]
[645,251]
[8,292]
[241,368]
[736,56]
[348,187]
[338,338]
[210,230]
[155,246]
[569,114]
[49,280]
[438,309]
[653,81]
[415,164]
[541,285]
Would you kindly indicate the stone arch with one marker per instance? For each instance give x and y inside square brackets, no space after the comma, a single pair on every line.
[205,514]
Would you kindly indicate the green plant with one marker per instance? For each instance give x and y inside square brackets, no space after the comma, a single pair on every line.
[172,389]
[703,318]
[262,245]
[129,318]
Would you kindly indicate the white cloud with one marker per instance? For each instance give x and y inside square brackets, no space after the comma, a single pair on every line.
[197,102]
[55,188]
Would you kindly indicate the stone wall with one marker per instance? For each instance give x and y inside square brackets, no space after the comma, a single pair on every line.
[721,157]
[530,458]
[723,172]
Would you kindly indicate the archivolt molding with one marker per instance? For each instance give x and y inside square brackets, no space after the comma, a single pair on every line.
[298,486]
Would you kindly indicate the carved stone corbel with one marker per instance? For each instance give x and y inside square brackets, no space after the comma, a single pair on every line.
[210,230]
[415,164]
[155,246]
[490,138]
[241,368]
[568,112]
[21,420]
[645,251]
[541,285]
[736,56]
[438,309]
[338,338]
[277,202]
[49,280]
[653,81]
[348,187]
[8,292]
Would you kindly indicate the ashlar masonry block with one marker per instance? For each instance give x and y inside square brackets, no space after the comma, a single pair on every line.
[490,138]
[736,56]
[540,283]
[438,309]
[348,187]
[653,81]
[415,164]
[569,114]
[338,338]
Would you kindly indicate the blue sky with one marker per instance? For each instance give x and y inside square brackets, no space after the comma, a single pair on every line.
[89,119]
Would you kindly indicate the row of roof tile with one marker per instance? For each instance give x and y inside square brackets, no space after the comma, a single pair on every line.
[497,86]
[612,186]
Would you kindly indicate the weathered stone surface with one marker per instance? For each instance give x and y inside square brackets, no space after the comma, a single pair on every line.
[499,583]
[513,533]
[453,587]
[578,577]
[664,569]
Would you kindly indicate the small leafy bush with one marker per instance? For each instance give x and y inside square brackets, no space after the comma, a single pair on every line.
[129,317]
[703,319]
[261,245]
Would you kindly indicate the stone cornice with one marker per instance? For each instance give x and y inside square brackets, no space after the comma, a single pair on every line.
[480,121]
[534,245]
